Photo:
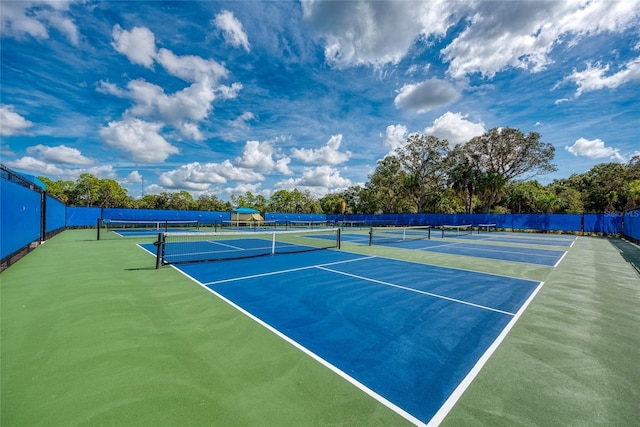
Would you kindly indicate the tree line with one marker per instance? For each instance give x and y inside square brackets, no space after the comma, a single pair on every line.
[490,173]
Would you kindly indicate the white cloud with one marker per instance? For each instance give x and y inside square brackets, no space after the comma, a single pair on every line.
[318,180]
[522,34]
[60,154]
[594,77]
[326,155]
[228,92]
[134,178]
[191,68]
[497,35]
[241,121]
[232,30]
[425,96]
[376,33]
[138,45]
[199,176]
[183,109]
[40,167]
[139,138]
[260,156]
[455,128]
[395,136]
[243,187]
[12,122]
[34,18]
[594,149]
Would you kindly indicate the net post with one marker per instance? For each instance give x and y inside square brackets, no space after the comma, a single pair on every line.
[159,250]
[428,232]
[339,234]
[371,236]
[273,243]
[99,226]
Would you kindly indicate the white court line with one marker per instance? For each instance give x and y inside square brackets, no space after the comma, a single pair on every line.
[226,245]
[272,273]
[425,248]
[380,282]
[561,258]
[464,384]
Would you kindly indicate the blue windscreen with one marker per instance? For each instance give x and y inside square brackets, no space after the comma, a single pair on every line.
[286,217]
[21,213]
[56,216]
[632,224]
[82,216]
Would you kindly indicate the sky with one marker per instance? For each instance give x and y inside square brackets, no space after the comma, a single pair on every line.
[228,97]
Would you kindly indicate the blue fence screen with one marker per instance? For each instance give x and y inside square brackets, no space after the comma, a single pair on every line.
[55,216]
[588,223]
[88,217]
[21,213]
[286,217]
[632,225]
[82,217]
[204,217]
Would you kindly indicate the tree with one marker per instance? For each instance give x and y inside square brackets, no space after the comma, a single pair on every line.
[521,196]
[423,158]
[111,195]
[281,201]
[181,200]
[86,190]
[210,202]
[503,154]
[463,175]
[353,199]
[569,199]
[491,188]
[62,190]
[633,191]
[385,190]
[331,203]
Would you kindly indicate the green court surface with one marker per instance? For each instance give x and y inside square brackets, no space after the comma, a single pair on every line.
[92,334]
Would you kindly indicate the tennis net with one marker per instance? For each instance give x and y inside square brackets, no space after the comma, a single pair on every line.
[398,234]
[181,248]
[137,228]
[456,230]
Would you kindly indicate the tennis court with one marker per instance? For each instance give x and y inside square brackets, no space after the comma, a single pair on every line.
[364,335]
[504,247]
[408,334]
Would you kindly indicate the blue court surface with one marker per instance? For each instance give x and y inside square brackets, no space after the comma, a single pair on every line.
[411,335]
[548,257]
[525,240]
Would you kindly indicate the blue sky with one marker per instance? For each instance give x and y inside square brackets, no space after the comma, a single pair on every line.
[229,97]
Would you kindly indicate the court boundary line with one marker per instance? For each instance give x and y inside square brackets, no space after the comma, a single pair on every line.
[457,393]
[381,282]
[491,249]
[289,270]
[561,258]
[310,353]
[491,240]
[430,249]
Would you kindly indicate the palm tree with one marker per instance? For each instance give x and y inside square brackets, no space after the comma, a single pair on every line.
[491,188]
